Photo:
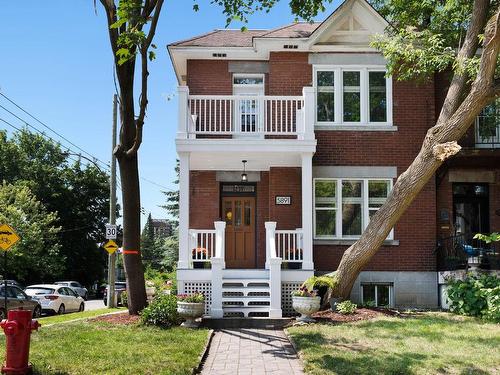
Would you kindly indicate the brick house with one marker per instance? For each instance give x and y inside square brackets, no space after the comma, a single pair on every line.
[289,140]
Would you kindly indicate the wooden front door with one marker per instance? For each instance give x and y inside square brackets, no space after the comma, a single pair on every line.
[239,213]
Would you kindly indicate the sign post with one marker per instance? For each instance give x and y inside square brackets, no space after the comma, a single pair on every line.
[8,237]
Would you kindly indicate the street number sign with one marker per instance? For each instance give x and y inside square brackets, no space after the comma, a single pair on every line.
[8,237]
[110,231]
[110,246]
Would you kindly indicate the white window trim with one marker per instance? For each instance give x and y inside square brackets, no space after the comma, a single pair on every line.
[364,97]
[377,284]
[338,206]
[249,75]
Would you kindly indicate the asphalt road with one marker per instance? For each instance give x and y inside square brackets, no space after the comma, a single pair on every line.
[94,304]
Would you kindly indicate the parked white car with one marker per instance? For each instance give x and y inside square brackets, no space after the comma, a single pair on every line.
[76,286]
[55,298]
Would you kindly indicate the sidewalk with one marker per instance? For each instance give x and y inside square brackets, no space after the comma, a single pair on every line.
[251,352]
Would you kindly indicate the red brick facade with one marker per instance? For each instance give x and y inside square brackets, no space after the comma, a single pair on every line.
[414,111]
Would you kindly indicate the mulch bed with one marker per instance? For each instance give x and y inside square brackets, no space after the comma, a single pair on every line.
[121,318]
[328,316]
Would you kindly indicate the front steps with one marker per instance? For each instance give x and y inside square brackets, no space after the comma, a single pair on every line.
[254,323]
[246,293]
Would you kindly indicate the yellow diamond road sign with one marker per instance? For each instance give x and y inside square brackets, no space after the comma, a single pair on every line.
[111,246]
[8,237]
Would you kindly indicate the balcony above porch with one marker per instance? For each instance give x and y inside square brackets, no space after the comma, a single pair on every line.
[243,118]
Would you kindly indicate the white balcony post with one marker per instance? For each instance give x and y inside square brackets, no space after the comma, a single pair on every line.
[309,115]
[270,236]
[307,222]
[182,127]
[220,240]
[275,284]
[184,241]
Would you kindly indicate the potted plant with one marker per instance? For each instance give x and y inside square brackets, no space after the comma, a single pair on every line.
[200,258]
[190,307]
[306,303]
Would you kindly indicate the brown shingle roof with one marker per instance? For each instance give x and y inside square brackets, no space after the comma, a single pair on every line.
[238,38]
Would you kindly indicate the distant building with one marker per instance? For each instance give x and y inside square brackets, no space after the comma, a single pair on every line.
[161,227]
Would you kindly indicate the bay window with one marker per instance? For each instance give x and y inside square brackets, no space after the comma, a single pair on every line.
[343,207]
[353,96]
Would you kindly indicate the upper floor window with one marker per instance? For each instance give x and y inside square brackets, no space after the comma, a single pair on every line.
[343,207]
[488,126]
[353,96]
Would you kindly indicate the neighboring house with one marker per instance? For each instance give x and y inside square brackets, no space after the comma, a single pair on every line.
[161,227]
[324,135]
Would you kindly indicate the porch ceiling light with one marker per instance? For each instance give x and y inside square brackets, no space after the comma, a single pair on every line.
[244,176]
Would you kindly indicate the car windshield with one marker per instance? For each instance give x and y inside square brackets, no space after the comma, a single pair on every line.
[39,291]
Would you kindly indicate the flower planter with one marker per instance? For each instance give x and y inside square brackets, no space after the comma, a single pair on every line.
[190,311]
[306,306]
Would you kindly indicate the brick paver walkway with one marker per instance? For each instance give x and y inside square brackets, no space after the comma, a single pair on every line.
[251,352]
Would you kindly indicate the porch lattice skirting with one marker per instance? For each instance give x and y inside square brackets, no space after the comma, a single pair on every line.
[205,287]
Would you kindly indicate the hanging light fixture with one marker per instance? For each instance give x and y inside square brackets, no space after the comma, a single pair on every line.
[244,176]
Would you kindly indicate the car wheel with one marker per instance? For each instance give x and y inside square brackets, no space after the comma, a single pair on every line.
[82,307]
[37,312]
[86,297]
[61,310]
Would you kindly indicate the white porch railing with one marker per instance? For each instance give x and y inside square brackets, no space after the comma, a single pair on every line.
[202,244]
[245,114]
[289,245]
[273,263]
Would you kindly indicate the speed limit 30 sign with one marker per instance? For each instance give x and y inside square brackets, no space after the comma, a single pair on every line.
[110,231]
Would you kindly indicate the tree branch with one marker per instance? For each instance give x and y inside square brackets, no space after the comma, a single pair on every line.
[110,8]
[139,122]
[468,50]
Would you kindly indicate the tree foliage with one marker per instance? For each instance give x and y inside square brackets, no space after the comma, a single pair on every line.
[78,195]
[37,255]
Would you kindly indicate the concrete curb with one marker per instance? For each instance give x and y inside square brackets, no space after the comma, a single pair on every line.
[202,358]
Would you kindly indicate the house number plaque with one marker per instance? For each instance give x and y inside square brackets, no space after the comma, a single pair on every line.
[283,200]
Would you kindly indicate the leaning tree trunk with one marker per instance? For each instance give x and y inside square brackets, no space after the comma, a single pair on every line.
[439,144]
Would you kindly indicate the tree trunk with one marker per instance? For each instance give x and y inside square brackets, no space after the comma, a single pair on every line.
[439,144]
[131,235]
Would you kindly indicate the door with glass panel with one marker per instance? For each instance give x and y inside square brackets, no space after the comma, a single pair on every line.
[249,104]
[239,214]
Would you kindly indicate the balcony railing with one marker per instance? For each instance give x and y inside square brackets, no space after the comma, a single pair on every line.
[487,132]
[235,116]
[202,244]
[289,245]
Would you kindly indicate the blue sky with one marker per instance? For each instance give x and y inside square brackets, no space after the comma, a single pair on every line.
[56,63]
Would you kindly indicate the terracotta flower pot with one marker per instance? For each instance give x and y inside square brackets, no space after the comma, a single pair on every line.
[190,311]
[306,306]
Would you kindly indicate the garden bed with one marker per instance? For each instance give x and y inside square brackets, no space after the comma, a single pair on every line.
[328,316]
[122,318]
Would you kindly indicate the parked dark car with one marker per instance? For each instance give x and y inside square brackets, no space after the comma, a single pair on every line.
[11,282]
[120,286]
[17,299]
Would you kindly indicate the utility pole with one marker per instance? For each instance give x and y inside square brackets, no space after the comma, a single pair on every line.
[112,210]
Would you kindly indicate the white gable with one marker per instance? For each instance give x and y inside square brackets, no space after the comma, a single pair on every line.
[353,23]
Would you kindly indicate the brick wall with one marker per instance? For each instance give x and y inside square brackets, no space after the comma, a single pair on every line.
[203,200]
[209,77]
[289,72]
[286,182]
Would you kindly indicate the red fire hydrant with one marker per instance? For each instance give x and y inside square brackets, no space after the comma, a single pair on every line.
[17,328]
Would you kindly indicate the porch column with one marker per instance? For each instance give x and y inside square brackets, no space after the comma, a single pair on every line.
[183,93]
[184,252]
[309,112]
[270,236]
[307,220]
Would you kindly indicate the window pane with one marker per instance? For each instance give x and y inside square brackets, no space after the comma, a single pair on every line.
[237,213]
[248,80]
[351,208]
[325,100]
[248,211]
[383,295]
[368,293]
[325,192]
[228,213]
[378,97]
[377,193]
[325,223]
[488,122]
[352,96]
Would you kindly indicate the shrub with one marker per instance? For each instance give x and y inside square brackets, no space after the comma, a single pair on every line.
[191,298]
[160,279]
[346,307]
[304,292]
[477,296]
[124,298]
[162,311]
[321,284]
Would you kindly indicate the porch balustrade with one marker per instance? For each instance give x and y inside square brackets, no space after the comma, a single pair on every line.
[229,115]
[289,245]
[273,263]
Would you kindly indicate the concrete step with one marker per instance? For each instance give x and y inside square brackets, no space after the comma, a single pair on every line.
[256,323]
[245,273]
[246,283]
[249,289]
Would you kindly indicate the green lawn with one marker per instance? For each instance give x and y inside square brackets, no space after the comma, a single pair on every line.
[101,348]
[76,315]
[427,343]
